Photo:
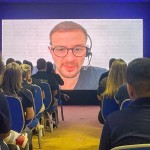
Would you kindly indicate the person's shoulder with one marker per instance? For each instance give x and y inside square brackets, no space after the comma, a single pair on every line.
[96,71]
[118,115]
[2,97]
[93,69]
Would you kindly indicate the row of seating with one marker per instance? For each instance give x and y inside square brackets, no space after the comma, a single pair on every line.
[45,116]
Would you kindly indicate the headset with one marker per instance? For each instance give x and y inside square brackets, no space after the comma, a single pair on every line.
[88,52]
[88,48]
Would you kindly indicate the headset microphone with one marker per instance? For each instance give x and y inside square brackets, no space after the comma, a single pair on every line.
[88,53]
[89,61]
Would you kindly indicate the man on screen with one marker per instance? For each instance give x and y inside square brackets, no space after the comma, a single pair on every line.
[68,49]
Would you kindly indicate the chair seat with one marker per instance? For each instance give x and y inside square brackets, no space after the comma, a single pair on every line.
[109,105]
[133,147]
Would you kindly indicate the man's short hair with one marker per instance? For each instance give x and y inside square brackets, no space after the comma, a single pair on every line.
[67,26]
[9,60]
[138,75]
[41,64]
[111,61]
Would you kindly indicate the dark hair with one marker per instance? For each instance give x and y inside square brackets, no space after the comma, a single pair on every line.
[50,68]
[9,60]
[18,62]
[138,75]
[28,63]
[111,61]
[41,64]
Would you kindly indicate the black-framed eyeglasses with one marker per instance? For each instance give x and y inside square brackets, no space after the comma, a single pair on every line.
[62,51]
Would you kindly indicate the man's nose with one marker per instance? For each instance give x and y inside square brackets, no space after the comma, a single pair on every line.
[70,55]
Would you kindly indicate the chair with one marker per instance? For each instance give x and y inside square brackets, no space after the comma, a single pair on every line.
[48,96]
[38,100]
[37,104]
[61,108]
[48,108]
[133,147]
[60,102]
[125,104]
[109,105]
[17,114]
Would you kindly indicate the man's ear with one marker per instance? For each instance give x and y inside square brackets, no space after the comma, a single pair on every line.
[131,91]
[50,50]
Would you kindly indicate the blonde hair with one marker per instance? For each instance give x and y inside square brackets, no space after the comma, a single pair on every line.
[26,69]
[116,77]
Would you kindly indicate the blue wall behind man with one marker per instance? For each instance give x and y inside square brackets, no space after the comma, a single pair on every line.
[91,9]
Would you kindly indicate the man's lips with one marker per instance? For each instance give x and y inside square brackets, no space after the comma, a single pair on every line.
[69,67]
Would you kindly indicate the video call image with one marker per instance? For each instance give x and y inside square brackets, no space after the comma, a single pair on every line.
[28,39]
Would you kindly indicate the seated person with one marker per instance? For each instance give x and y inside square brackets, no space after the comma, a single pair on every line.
[122,94]
[12,85]
[131,125]
[6,134]
[105,74]
[50,71]
[43,76]
[116,77]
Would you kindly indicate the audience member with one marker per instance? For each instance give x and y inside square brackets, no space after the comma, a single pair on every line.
[122,94]
[6,134]
[105,74]
[9,60]
[18,62]
[12,85]
[116,77]
[131,125]
[41,74]
[50,71]
[26,77]
[28,63]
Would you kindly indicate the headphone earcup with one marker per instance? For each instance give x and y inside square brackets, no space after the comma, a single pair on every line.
[88,52]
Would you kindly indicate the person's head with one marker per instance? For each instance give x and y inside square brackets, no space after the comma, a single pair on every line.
[18,62]
[26,71]
[68,48]
[29,63]
[50,68]
[12,79]
[9,60]
[116,77]
[111,61]
[138,78]
[41,64]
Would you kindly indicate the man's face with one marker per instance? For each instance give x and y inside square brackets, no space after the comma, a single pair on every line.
[70,65]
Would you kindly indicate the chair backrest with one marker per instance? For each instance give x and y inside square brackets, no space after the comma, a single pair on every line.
[38,100]
[133,147]
[125,103]
[48,95]
[109,105]
[17,113]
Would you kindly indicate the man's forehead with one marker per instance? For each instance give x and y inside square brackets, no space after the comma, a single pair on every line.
[68,32]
